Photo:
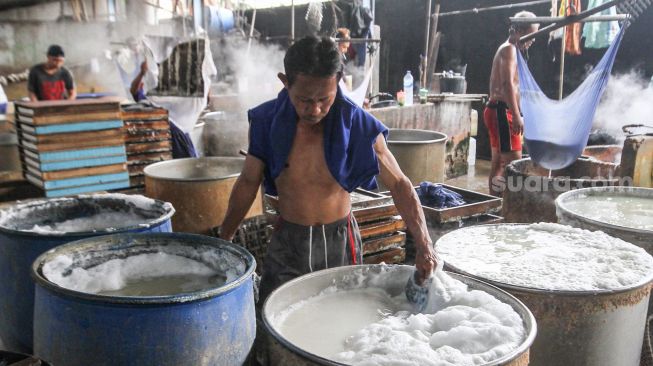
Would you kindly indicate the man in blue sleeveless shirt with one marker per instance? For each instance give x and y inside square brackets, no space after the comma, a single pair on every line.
[312,146]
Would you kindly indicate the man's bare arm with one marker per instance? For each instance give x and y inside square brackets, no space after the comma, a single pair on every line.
[33,97]
[242,196]
[510,81]
[72,94]
[408,205]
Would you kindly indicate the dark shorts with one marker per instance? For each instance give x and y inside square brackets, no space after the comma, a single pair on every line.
[498,120]
[295,250]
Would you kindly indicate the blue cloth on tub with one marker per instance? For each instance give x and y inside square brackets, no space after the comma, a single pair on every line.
[435,195]
[349,136]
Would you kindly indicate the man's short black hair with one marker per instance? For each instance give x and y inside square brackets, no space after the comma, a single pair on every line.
[55,51]
[314,57]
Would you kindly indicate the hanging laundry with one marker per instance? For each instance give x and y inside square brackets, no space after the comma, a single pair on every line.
[573,33]
[556,131]
[600,34]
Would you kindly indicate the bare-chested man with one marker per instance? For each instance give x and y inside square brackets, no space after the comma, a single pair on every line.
[311,146]
[502,116]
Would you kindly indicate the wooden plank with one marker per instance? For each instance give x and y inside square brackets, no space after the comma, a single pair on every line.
[135,126]
[87,189]
[71,144]
[71,173]
[50,107]
[78,181]
[150,157]
[69,118]
[157,146]
[79,137]
[368,214]
[96,152]
[392,256]
[382,227]
[150,136]
[72,164]
[376,245]
[72,127]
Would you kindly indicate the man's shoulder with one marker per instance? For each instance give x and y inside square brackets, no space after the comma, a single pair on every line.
[263,112]
[507,49]
[38,68]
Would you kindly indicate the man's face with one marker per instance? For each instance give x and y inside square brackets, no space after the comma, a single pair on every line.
[55,62]
[312,96]
[526,45]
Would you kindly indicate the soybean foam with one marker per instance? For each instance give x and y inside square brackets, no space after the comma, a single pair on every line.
[627,211]
[368,326]
[546,256]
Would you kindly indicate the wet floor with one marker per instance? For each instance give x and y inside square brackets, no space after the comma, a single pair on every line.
[476,179]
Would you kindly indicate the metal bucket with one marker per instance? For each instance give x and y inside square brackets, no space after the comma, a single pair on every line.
[530,193]
[420,153]
[215,326]
[640,237]
[19,247]
[224,134]
[199,189]
[283,352]
[581,328]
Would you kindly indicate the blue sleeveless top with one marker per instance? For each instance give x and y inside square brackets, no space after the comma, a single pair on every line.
[349,136]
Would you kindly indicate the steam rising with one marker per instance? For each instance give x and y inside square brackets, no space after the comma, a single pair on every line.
[628,99]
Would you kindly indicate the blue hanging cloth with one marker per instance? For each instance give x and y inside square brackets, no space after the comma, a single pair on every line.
[556,131]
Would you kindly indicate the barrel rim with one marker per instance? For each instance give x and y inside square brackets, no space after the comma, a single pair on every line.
[148,171]
[116,239]
[432,141]
[170,210]
[609,181]
[527,316]
[560,205]
[535,290]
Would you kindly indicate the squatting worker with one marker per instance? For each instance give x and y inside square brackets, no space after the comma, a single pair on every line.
[51,80]
[312,146]
[502,115]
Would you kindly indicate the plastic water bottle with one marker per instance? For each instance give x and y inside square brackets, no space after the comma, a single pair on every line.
[408,88]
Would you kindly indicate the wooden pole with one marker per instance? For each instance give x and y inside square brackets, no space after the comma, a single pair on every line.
[426,45]
[562,62]
[292,22]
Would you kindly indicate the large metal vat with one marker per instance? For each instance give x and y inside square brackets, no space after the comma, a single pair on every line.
[640,237]
[199,189]
[214,326]
[19,246]
[579,328]
[224,134]
[606,153]
[420,153]
[531,190]
[282,352]
[11,358]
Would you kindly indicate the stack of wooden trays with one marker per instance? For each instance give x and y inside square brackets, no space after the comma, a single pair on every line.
[147,139]
[381,227]
[72,147]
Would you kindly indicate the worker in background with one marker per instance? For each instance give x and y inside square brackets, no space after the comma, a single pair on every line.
[137,85]
[51,80]
[502,115]
[343,47]
[311,147]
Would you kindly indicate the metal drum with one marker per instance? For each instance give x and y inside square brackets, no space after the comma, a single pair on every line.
[212,326]
[282,352]
[419,153]
[580,328]
[199,189]
[20,245]
[531,190]
[641,237]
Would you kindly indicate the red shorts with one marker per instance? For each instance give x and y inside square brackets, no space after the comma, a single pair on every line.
[498,120]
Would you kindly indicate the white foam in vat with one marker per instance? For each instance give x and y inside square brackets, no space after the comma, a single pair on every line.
[469,327]
[628,211]
[147,274]
[35,213]
[546,256]
[101,221]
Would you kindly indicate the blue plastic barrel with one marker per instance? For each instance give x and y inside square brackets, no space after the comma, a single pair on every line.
[20,245]
[218,20]
[213,326]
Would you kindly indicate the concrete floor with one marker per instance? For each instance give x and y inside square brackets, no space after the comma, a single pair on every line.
[476,179]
